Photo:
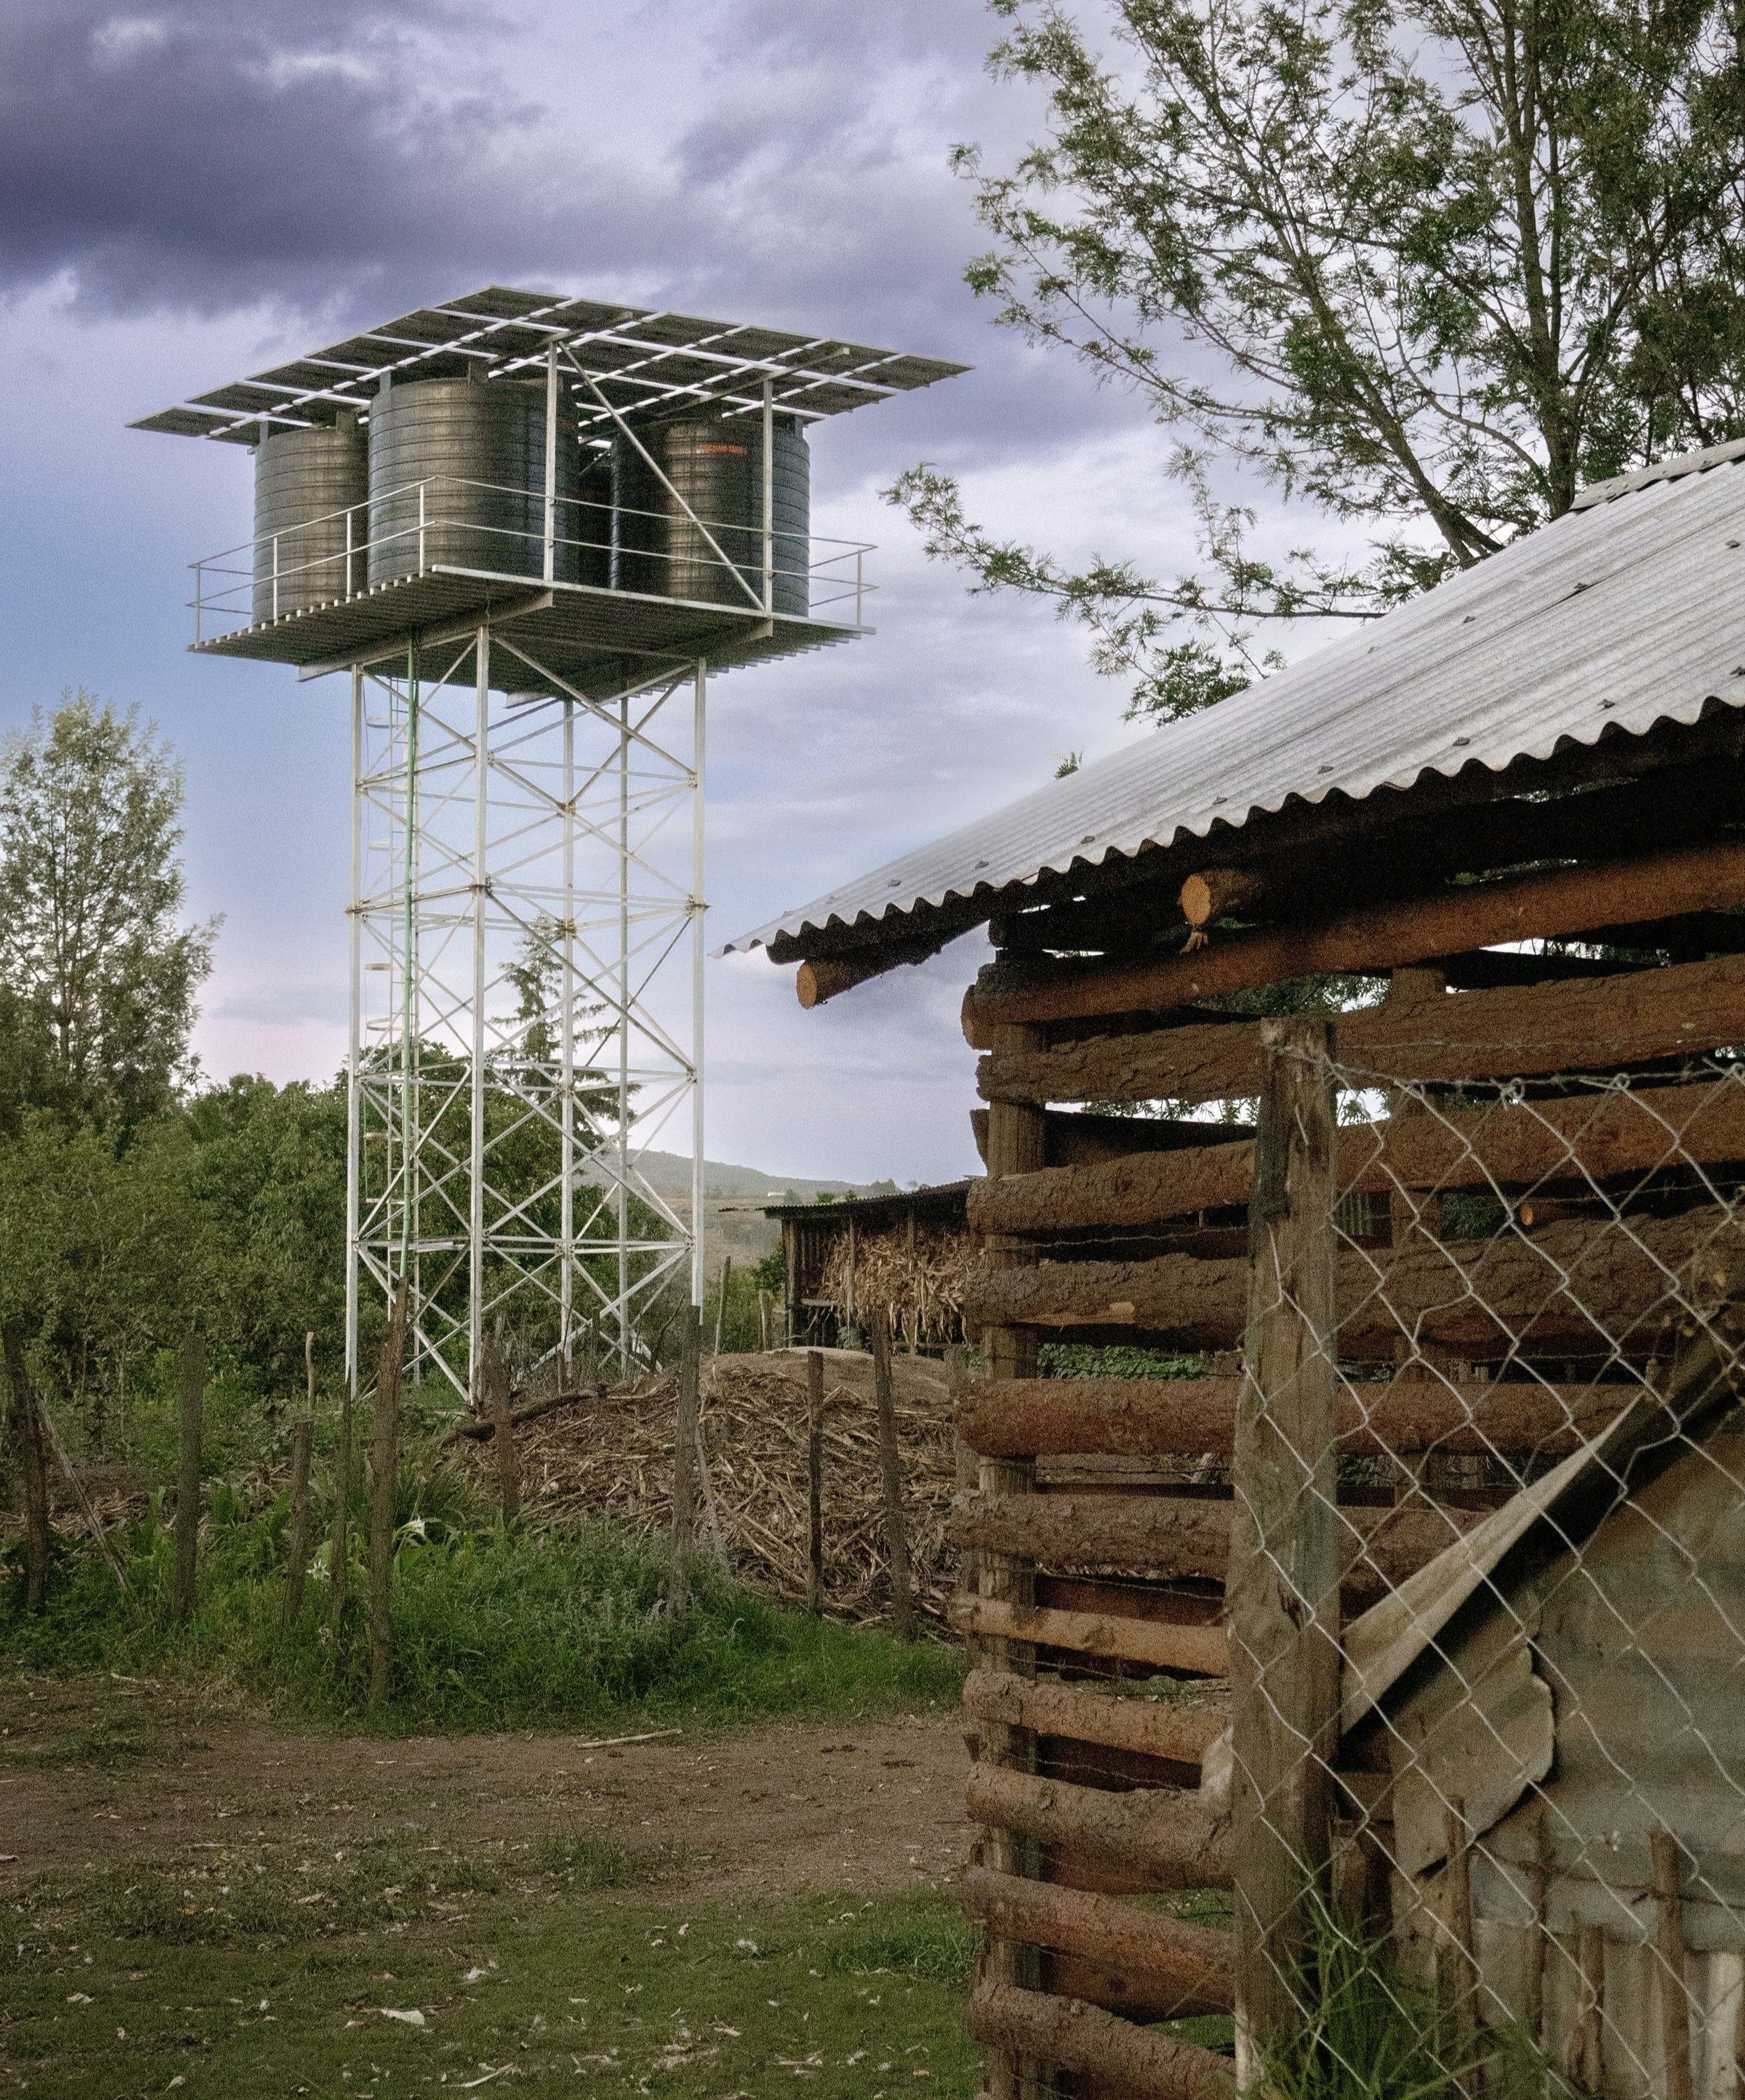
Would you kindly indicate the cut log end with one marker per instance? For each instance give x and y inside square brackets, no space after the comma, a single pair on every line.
[1212,891]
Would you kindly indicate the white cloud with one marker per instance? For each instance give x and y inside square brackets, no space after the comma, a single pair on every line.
[125,36]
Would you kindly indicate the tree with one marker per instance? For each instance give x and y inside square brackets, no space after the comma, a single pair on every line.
[266,1176]
[101,1251]
[98,969]
[1430,265]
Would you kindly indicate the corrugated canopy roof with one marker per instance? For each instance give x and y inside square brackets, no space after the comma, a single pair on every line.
[644,362]
[1628,611]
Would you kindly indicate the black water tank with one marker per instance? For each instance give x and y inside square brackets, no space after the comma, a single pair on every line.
[305,483]
[715,464]
[476,449]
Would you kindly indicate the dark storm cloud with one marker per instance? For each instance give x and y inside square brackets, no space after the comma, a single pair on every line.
[195,157]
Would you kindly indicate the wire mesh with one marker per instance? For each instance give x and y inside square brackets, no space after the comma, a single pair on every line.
[1520,1851]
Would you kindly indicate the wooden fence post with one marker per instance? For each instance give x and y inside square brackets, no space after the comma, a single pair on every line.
[1674,1988]
[720,1304]
[384,1458]
[815,1481]
[493,1377]
[32,1466]
[1282,1592]
[890,1465]
[193,1404]
[297,1542]
[684,1459]
[1017,1144]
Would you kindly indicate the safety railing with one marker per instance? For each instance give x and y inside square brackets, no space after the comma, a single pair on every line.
[346,554]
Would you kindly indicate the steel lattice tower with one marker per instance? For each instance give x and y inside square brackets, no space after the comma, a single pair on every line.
[526,1009]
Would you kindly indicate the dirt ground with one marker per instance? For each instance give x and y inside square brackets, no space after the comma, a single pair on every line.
[93,1770]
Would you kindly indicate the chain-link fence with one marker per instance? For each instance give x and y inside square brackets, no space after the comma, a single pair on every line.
[1486,1592]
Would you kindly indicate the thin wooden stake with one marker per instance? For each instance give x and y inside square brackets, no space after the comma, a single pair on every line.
[815,1481]
[297,1542]
[1675,1991]
[384,1465]
[890,1465]
[193,1404]
[87,1509]
[720,1306]
[32,1466]
[1282,1592]
[685,1460]
[494,1376]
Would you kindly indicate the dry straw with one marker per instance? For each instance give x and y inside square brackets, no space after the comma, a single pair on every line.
[613,1458]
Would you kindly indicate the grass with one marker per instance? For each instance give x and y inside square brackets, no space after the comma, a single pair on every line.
[1369,2034]
[109,1998]
[494,1628]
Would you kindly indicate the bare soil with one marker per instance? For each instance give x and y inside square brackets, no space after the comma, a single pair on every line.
[99,1769]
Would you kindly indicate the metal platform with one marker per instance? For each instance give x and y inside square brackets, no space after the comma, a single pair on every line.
[592,637]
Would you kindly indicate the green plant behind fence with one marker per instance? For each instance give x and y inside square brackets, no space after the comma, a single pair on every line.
[494,1627]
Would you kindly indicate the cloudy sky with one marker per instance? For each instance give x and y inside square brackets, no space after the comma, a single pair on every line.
[190,191]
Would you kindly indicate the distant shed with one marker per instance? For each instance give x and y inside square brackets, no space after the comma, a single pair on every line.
[907,1253]
[1515,808]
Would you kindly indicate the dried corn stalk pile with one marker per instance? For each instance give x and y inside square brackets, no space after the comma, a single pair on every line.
[614,1457]
[922,1289]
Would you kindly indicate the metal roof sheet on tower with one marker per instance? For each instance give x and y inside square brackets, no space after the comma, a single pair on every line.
[642,361]
[1628,611]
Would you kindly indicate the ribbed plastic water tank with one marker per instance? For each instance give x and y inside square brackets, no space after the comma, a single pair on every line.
[715,464]
[457,479]
[593,529]
[305,482]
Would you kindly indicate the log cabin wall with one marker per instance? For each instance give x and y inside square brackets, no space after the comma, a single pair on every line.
[1102,1525]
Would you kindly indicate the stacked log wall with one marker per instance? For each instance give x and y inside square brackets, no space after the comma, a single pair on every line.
[1103,1501]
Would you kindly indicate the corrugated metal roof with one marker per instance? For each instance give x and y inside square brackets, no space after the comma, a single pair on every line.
[1628,611]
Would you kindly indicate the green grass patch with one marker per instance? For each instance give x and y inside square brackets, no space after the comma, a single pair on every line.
[494,1628]
[940,1945]
[524,1986]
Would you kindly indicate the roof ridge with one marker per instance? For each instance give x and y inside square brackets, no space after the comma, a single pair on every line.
[1667,470]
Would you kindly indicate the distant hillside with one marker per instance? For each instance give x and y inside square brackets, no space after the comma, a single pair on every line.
[669,1172]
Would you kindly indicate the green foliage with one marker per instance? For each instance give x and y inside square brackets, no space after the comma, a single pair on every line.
[493,1628]
[99,1249]
[1088,1360]
[100,972]
[266,1176]
[743,1327]
[1440,263]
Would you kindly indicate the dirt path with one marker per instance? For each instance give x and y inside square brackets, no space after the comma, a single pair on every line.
[93,1770]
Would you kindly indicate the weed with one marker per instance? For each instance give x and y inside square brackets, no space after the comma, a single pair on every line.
[1087,1360]
[582,1862]
[938,1944]
[494,1628]
[1367,2034]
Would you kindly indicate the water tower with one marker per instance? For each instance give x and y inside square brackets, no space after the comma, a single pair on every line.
[529,528]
